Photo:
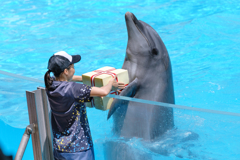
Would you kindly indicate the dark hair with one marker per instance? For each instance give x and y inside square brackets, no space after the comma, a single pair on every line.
[49,80]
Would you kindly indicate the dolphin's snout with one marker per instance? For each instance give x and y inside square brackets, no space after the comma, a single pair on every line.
[129,15]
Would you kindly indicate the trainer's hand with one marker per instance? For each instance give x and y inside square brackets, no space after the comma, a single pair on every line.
[118,85]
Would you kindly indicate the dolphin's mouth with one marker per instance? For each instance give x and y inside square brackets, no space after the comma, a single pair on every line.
[136,22]
[139,26]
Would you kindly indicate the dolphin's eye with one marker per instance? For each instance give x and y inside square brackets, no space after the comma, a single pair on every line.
[155,51]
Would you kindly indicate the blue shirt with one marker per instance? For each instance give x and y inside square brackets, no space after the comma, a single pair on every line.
[70,126]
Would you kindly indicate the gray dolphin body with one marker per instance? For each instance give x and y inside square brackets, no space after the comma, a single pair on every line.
[150,75]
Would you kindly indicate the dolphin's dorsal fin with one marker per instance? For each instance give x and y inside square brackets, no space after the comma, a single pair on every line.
[129,91]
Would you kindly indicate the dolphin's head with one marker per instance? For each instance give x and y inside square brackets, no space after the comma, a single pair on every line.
[145,47]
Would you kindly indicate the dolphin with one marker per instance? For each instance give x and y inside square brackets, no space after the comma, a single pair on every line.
[150,78]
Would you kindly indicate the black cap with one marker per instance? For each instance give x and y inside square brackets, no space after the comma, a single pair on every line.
[61,60]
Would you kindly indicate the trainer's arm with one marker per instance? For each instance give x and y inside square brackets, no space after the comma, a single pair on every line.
[102,91]
[115,86]
[77,79]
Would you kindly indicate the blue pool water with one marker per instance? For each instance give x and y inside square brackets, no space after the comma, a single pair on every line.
[202,38]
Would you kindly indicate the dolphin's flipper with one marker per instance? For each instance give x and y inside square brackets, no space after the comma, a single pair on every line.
[129,91]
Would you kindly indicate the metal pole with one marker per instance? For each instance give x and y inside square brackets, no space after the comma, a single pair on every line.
[23,144]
